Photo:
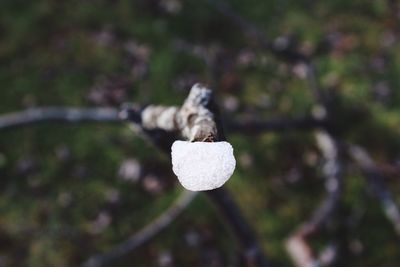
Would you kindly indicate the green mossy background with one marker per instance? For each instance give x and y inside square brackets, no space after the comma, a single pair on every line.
[59,181]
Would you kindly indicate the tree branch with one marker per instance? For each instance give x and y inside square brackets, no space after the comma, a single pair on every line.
[79,115]
[60,114]
[297,244]
[254,126]
[145,234]
[198,119]
[193,121]
[284,52]
[376,181]
[224,202]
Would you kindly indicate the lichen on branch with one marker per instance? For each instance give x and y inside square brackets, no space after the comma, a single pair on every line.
[193,120]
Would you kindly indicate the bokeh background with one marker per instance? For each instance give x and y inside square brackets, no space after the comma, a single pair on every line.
[72,190]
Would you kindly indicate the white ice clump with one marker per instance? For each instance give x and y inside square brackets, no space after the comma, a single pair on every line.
[202,166]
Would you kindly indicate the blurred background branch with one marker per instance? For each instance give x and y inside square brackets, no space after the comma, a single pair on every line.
[60,114]
[145,234]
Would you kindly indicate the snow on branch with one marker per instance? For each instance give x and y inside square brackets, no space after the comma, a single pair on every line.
[197,120]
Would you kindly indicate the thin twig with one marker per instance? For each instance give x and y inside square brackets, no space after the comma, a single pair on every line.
[61,114]
[224,202]
[333,181]
[246,26]
[255,126]
[312,81]
[283,52]
[297,245]
[377,183]
[144,235]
